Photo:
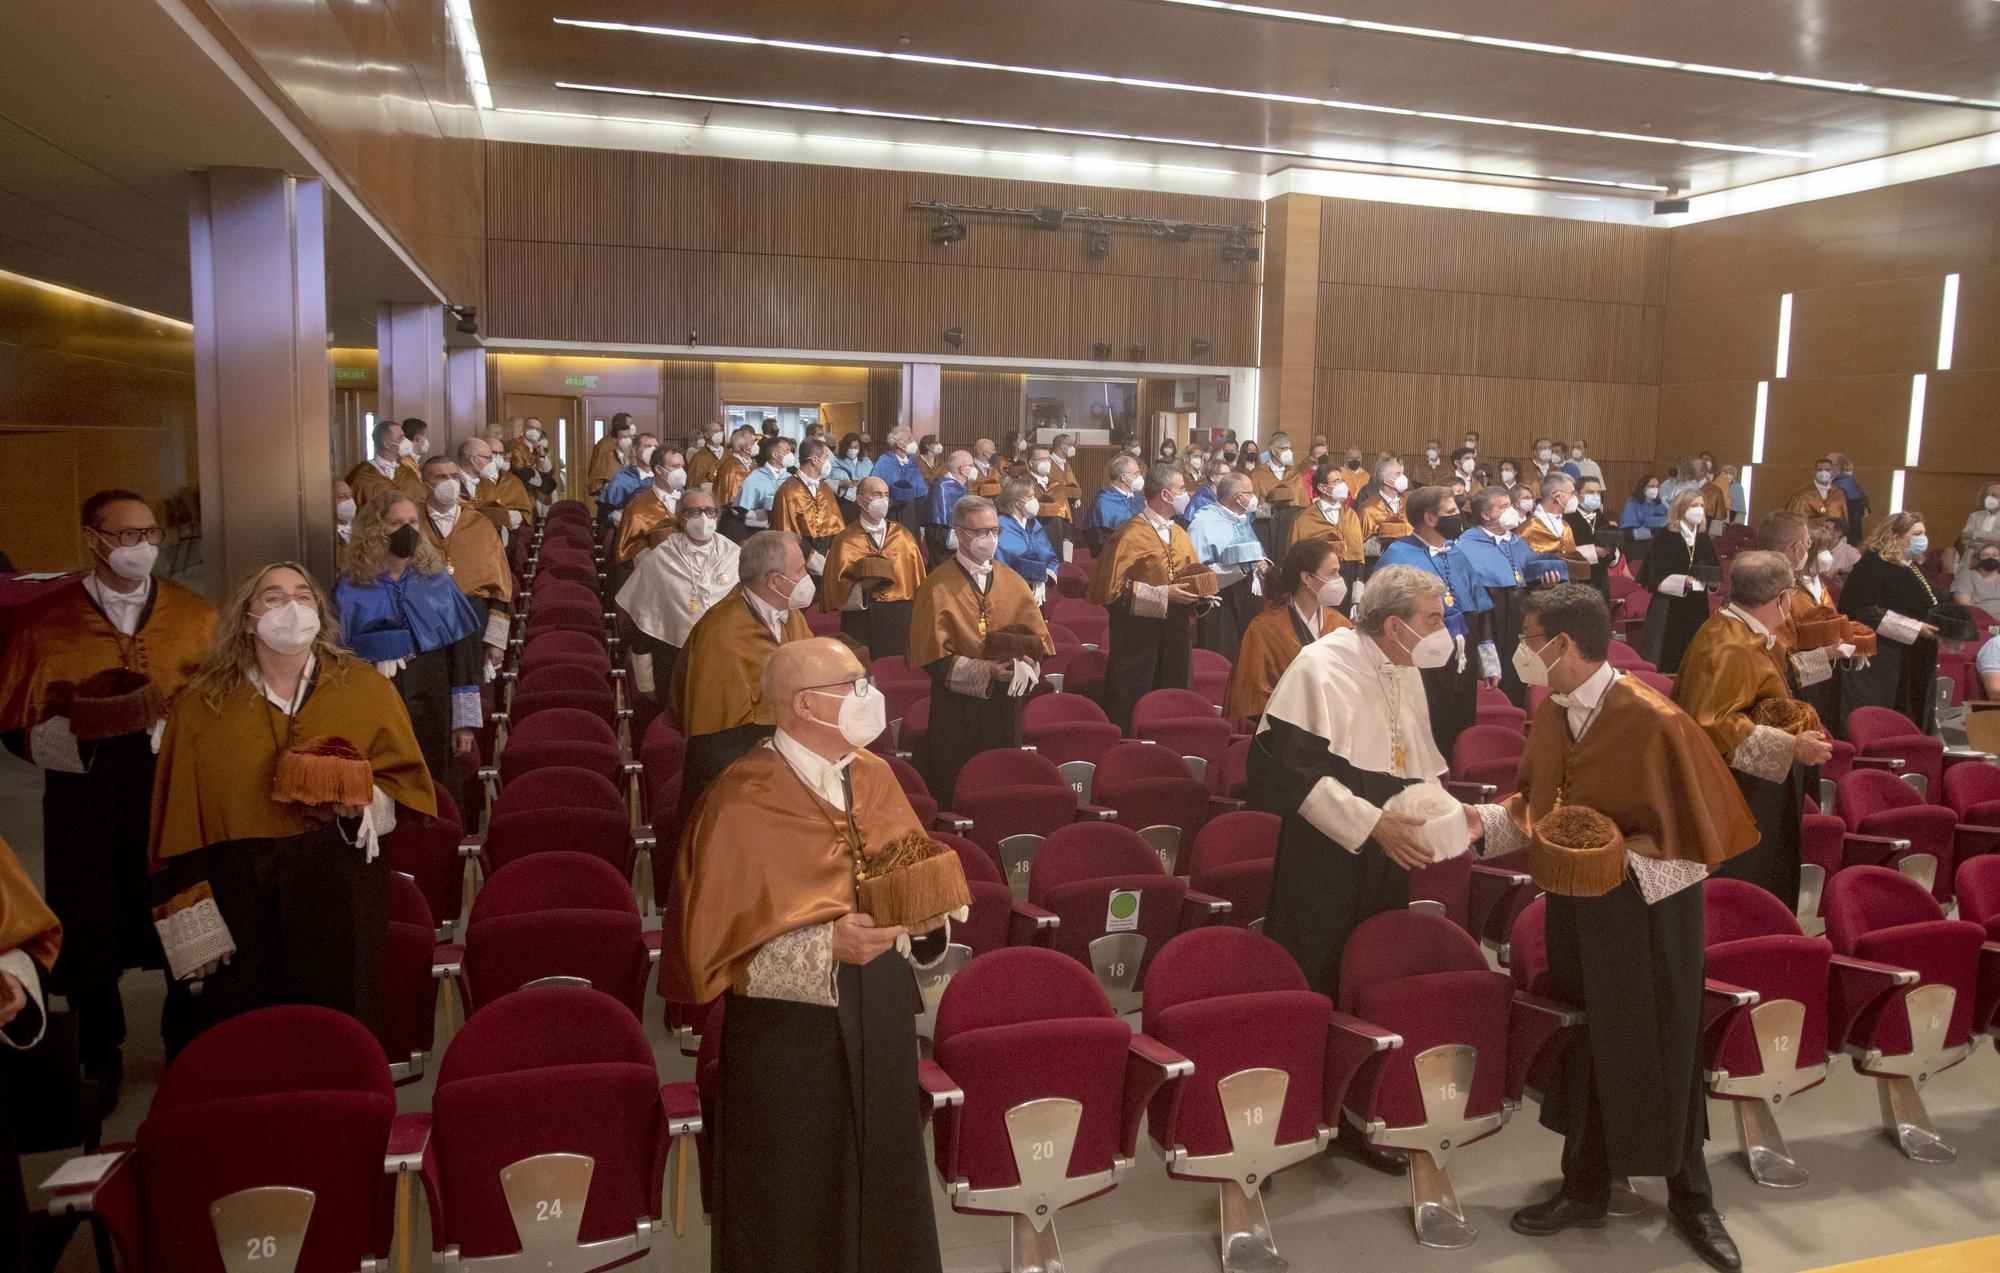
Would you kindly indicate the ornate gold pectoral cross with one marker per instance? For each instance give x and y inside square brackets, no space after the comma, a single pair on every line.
[1397,755]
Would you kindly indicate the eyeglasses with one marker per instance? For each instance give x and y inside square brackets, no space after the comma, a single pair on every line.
[971,532]
[132,538]
[278,596]
[858,687]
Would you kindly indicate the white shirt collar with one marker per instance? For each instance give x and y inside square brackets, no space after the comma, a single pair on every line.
[773,617]
[1311,620]
[1749,621]
[122,608]
[1275,467]
[811,483]
[665,495]
[445,522]
[1588,695]
[820,775]
[874,530]
[1812,585]
[386,467]
[1153,519]
[470,481]
[305,679]
[1553,521]
[977,570]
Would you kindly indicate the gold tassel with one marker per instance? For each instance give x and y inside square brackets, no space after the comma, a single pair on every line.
[1577,852]
[324,771]
[913,878]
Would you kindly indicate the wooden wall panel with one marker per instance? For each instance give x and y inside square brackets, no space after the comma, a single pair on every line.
[1886,326]
[1961,419]
[1400,410]
[980,404]
[1706,415]
[885,398]
[1976,342]
[1735,338]
[1863,416]
[1449,249]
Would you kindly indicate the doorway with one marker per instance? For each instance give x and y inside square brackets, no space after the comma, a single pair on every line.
[563,423]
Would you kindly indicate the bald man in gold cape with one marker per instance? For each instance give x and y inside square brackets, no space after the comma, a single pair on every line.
[874,608]
[818,1158]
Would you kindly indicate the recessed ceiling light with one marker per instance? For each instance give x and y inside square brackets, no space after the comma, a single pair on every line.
[1175,86]
[1096,134]
[1594,55]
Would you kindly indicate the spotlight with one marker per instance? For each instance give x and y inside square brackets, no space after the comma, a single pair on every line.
[1236,249]
[1175,231]
[948,230]
[694,337]
[1135,353]
[1097,244]
[1101,350]
[1199,349]
[1047,218]
[468,318]
[954,336]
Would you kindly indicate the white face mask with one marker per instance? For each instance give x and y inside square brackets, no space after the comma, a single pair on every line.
[853,452]
[1337,493]
[1431,454]
[1506,477]
[1525,507]
[676,479]
[1695,518]
[1823,562]
[862,718]
[1992,503]
[1069,451]
[1529,664]
[802,593]
[1250,507]
[1284,457]
[1822,480]
[533,435]
[979,548]
[1402,483]
[877,509]
[343,511]
[1652,493]
[1431,651]
[1544,454]
[1138,486]
[1178,502]
[406,447]
[1041,468]
[445,490]
[134,563]
[490,471]
[1132,450]
[288,628]
[1465,466]
[1569,505]
[1593,502]
[625,443]
[1510,517]
[545,465]
[700,527]
[1332,591]
[1576,453]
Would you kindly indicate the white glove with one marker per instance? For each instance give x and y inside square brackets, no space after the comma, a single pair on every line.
[1025,676]
[816,563]
[616,515]
[1588,552]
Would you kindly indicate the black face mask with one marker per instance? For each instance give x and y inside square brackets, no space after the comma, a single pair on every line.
[403,541]
[1451,526]
[1988,565]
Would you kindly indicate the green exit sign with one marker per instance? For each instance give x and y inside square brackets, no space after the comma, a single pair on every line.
[353,373]
[580,382]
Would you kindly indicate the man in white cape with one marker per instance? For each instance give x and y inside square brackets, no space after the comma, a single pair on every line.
[673,584]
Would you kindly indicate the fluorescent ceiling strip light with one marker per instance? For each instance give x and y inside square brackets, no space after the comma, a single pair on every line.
[72,294]
[1896,493]
[1127,81]
[1913,441]
[1784,333]
[462,26]
[1852,87]
[1948,322]
[1757,421]
[1091,133]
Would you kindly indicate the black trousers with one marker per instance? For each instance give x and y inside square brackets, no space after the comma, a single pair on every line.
[1145,655]
[1220,628]
[882,626]
[1586,1165]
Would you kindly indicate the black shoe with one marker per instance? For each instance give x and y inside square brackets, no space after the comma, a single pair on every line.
[1351,1142]
[1558,1213]
[107,1076]
[1710,1240]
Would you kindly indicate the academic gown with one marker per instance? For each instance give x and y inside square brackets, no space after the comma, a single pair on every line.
[425,623]
[944,496]
[307,910]
[29,926]
[670,588]
[1228,545]
[94,823]
[1327,722]
[877,616]
[1726,672]
[810,512]
[1111,509]
[1280,494]
[1341,526]
[1671,622]
[907,487]
[819,1162]
[1452,690]
[1500,568]
[1145,653]
[1030,552]
[716,697]
[1270,643]
[1815,676]
[1585,530]
[1900,676]
[950,620]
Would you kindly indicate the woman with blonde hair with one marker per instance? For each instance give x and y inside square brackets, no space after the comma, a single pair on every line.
[1024,544]
[1887,591]
[399,610]
[1679,569]
[291,864]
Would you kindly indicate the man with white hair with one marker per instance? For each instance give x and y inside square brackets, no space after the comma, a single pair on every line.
[819,1161]
[1225,539]
[960,475]
[1346,728]
[873,599]
[1123,496]
[899,470]
[674,584]
[494,493]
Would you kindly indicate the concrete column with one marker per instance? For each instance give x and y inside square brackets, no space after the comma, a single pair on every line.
[1288,366]
[923,384]
[409,364]
[464,397]
[263,390]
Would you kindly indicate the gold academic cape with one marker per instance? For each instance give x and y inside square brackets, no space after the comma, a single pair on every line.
[501,496]
[1374,514]
[1543,542]
[1858,635]
[729,477]
[702,464]
[474,554]
[807,515]
[605,461]
[1715,501]
[763,855]
[26,922]
[899,546]
[1062,475]
[217,766]
[1725,673]
[952,617]
[519,452]
[1270,642]
[719,679]
[1345,532]
[63,638]
[1134,554]
[644,523]
[1810,503]
[1271,490]
[1054,499]
[1646,765]
[366,481]
[932,469]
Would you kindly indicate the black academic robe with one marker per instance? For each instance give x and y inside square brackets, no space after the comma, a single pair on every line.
[882,626]
[961,727]
[1503,628]
[1319,891]
[826,1180]
[1585,530]
[1220,628]
[1145,655]
[1898,676]
[1671,622]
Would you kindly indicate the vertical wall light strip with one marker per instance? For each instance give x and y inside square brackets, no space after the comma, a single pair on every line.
[1749,497]
[1947,322]
[1784,334]
[1757,422]
[1913,441]
[1896,493]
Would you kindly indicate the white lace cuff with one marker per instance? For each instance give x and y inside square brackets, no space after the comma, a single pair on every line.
[1764,753]
[499,626]
[22,966]
[52,745]
[1149,600]
[1502,835]
[1900,628]
[1659,880]
[1812,666]
[1489,661]
[797,966]
[970,677]
[466,712]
